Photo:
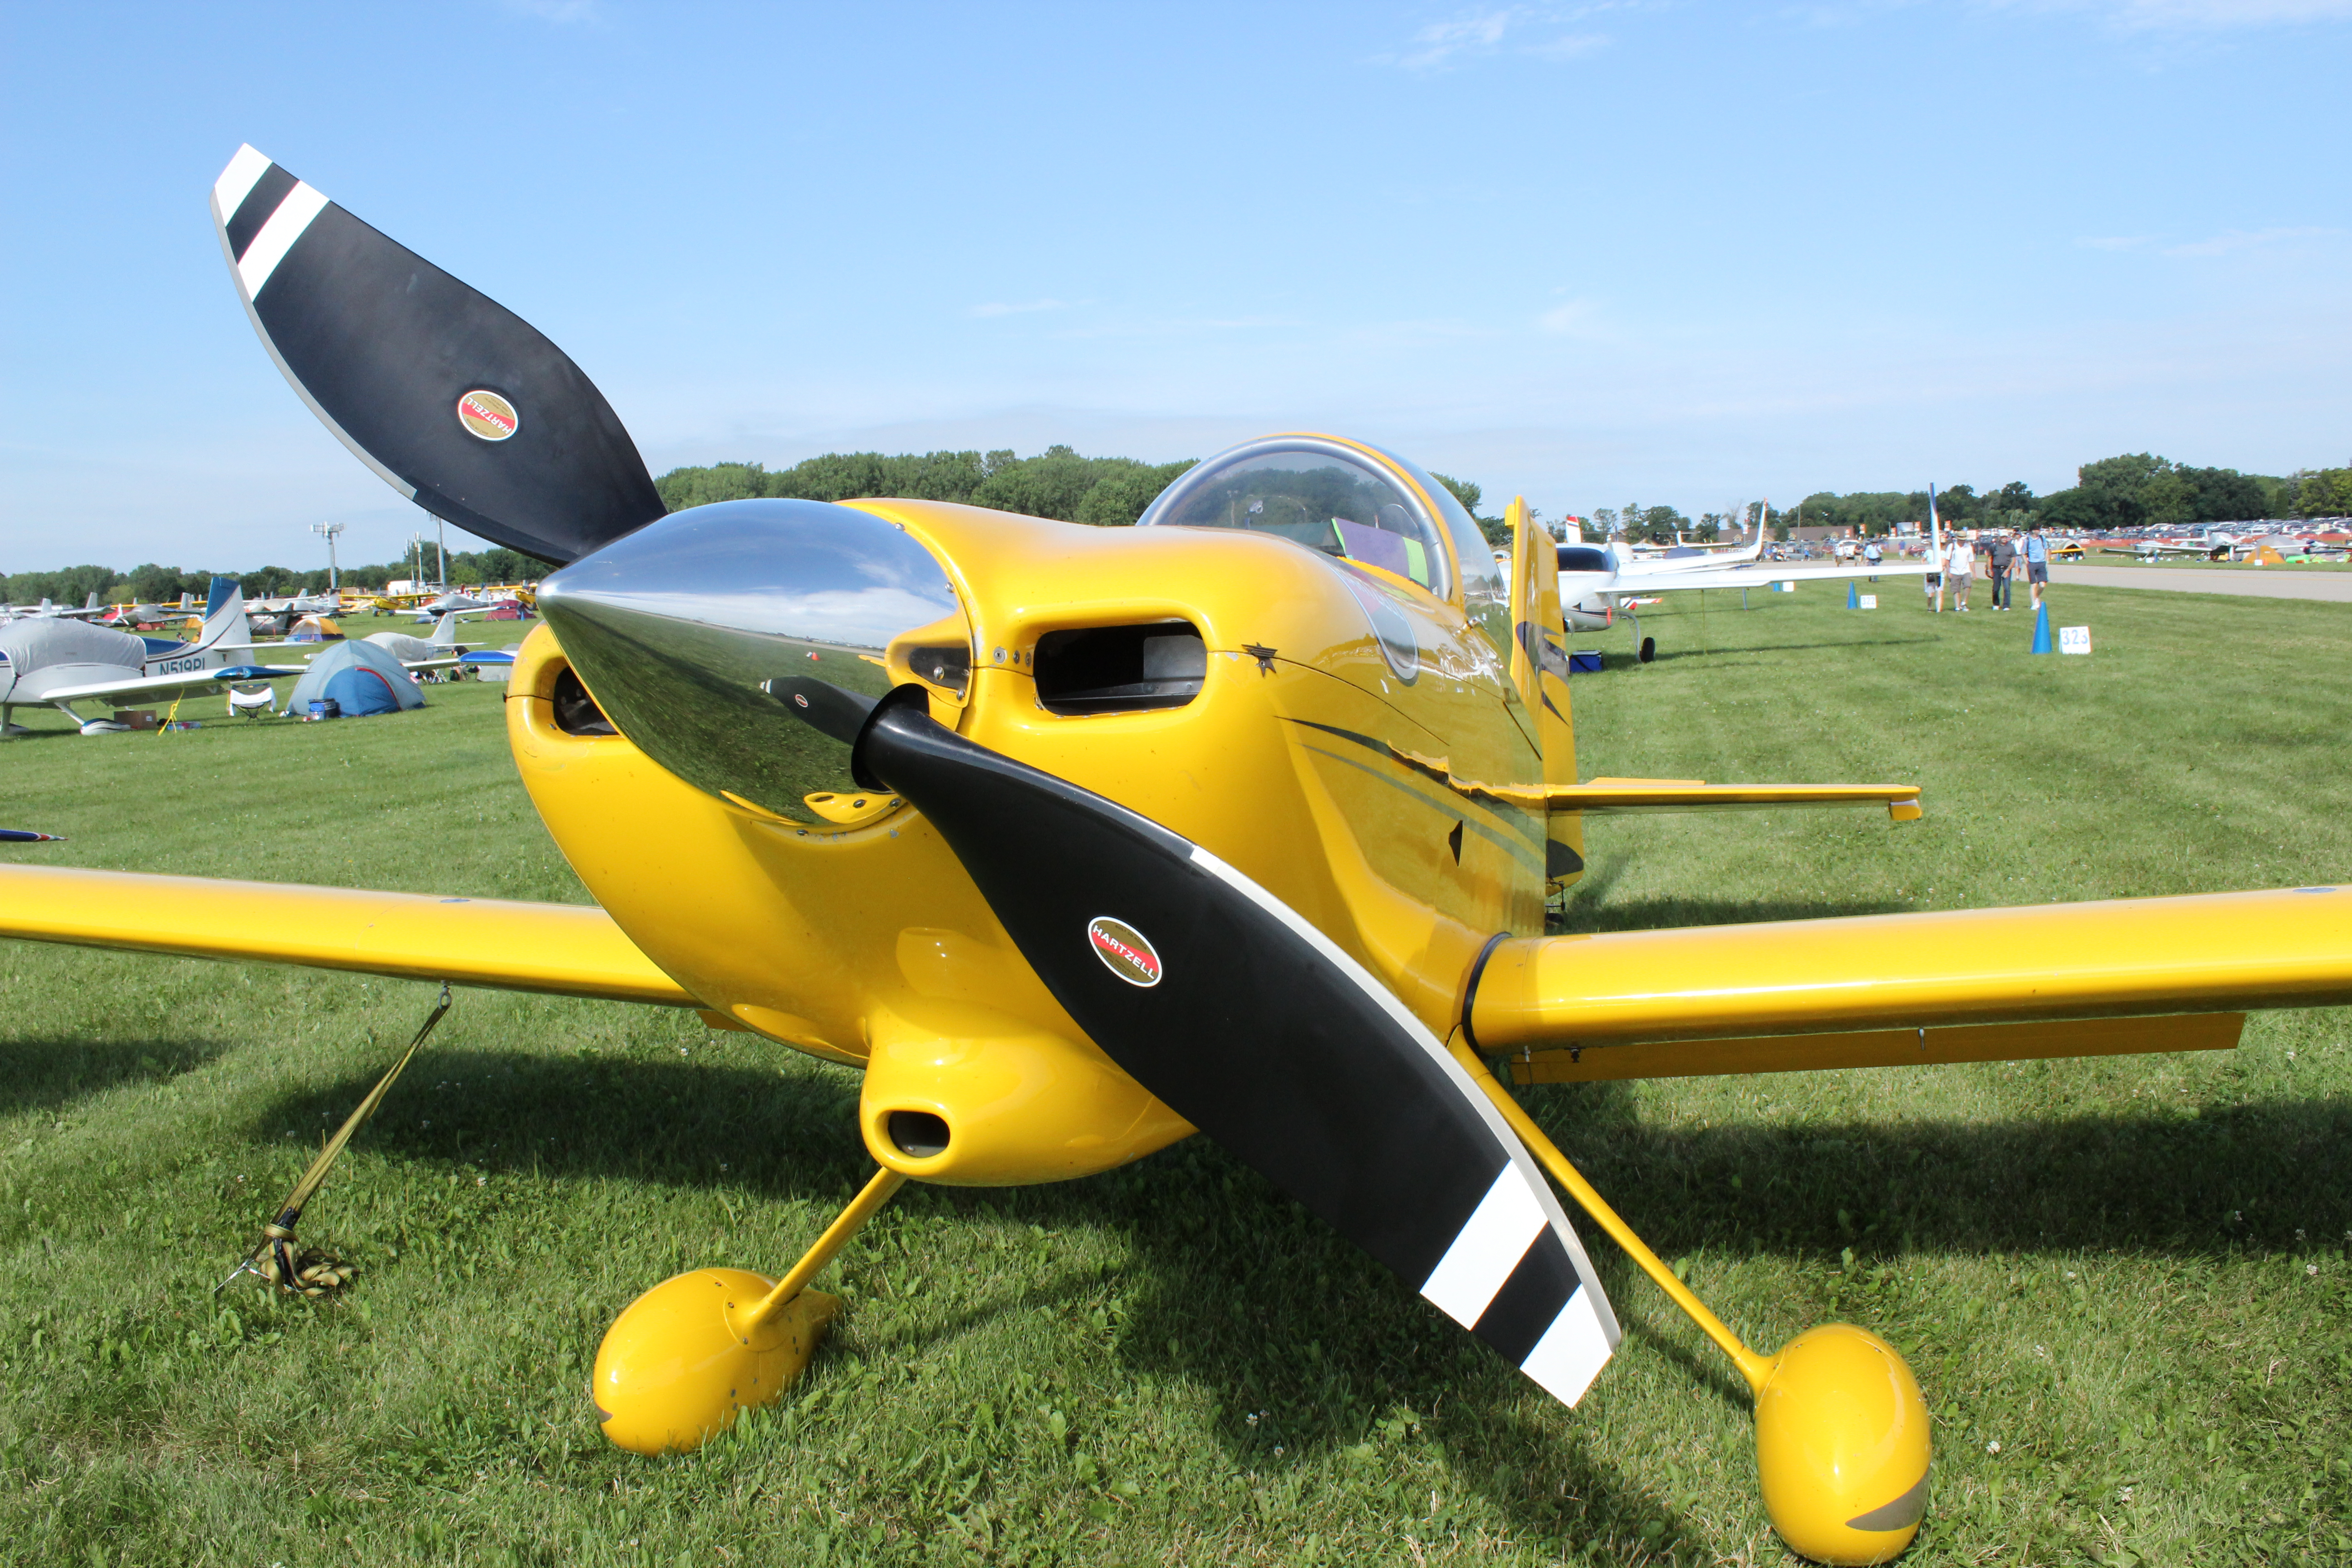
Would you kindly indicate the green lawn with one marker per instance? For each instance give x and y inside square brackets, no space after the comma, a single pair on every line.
[2130,1275]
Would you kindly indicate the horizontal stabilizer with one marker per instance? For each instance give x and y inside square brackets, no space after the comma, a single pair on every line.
[1902,801]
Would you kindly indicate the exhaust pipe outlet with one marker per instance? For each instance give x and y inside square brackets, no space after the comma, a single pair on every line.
[918,1134]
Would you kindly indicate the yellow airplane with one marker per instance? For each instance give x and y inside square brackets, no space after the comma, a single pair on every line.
[1080,840]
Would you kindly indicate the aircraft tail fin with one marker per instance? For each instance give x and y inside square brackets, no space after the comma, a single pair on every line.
[91,603]
[1540,673]
[444,630]
[226,621]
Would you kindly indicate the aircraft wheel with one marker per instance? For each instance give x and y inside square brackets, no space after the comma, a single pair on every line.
[1842,1447]
[677,1366]
[1649,649]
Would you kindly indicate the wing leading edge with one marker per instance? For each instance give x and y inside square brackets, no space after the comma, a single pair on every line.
[1843,983]
[563,950]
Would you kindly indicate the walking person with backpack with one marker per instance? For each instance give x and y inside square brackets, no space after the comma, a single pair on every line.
[2037,564]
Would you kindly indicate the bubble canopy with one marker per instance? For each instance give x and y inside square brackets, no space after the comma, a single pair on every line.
[1353,503]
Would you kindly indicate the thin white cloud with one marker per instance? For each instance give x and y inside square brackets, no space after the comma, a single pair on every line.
[557,10]
[2194,15]
[1530,30]
[1573,318]
[2217,14]
[1567,46]
[2240,240]
[1439,42]
[1029,307]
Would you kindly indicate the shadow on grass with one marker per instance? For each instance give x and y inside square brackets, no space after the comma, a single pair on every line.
[1235,1288]
[48,1074]
[1583,915]
[1667,655]
[2201,1184]
[1229,1284]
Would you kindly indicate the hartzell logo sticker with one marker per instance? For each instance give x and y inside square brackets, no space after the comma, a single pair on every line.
[1125,951]
[486,415]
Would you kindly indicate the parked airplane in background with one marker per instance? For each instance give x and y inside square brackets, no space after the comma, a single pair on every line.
[2216,548]
[454,599]
[441,651]
[47,611]
[276,618]
[1597,580]
[61,662]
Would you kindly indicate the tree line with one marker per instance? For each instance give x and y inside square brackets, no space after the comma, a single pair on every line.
[2136,489]
[1058,483]
[2132,490]
[153,585]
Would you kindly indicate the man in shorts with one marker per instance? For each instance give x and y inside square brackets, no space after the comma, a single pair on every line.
[1959,566]
[1999,558]
[2037,564]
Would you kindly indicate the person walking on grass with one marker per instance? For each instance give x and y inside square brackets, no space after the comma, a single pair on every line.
[2037,565]
[1999,558]
[1959,566]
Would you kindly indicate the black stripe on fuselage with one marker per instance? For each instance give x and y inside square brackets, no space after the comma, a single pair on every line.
[1516,851]
[1526,822]
[254,210]
[1529,1299]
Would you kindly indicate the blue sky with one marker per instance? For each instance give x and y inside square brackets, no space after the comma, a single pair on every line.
[1683,253]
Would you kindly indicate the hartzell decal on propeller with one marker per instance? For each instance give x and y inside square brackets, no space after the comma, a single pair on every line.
[1078,841]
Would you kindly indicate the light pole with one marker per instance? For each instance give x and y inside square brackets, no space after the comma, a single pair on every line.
[328,531]
[442,544]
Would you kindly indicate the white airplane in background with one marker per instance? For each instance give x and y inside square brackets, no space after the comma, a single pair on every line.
[1596,581]
[454,599]
[2216,548]
[46,611]
[148,615]
[61,662]
[441,651]
[277,616]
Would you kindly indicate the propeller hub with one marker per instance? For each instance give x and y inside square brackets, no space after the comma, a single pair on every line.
[698,633]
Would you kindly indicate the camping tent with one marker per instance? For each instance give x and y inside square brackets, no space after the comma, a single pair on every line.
[360,676]
[316,628]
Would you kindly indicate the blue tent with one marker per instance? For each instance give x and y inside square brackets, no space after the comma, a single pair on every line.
[360,677]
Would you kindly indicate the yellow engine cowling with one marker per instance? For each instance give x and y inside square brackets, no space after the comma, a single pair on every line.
[961,1093]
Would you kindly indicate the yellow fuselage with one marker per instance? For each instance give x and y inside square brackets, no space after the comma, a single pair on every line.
[1305,761]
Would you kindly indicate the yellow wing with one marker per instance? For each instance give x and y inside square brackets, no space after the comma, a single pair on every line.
[1967,984]
[566,950]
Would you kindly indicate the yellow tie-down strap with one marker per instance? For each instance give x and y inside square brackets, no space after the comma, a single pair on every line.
[564,950]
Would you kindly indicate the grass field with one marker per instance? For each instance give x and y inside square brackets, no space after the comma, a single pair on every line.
[2124,1283]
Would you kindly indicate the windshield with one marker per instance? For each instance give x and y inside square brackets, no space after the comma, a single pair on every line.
[1321,497]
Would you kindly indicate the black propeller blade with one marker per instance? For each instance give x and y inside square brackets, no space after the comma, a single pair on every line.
[459,402]
[1257,1029]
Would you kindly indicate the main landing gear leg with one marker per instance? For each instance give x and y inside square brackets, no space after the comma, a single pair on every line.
[1842,1444]
[687,1356]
